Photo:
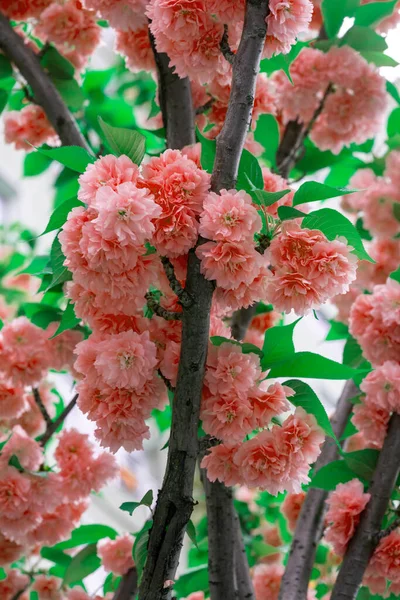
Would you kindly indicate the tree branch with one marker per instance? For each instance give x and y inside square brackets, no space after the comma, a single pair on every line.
[52,426]
[128,586]
[157,309]
[243,580]
[44,91]
[310,523]
[366,537]
[225,47]
[184,298]
[176,104]
[42,407]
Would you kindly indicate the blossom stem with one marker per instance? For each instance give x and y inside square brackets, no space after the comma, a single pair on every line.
[184,298]
[52,426]
[366,537]
[44,91]
[309,525]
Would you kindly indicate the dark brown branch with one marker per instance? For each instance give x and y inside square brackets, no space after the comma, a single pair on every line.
[366,539]
[166,381]
[128,586]
[225,47]
[44,91]
[176,104]
[157,309]
[42,407]
[52,426]
[203,109]
[309,525]
[184,298]
[243,580]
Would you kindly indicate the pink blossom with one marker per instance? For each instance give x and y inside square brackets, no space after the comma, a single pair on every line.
[28,452]
[269,400]
[385,561]
[267,581]
[372,421]
[229,263]
[73,448]
[276,183]
[12,400]
[170,362]
[301,437]
[220,465]
[263,321]
[135,47]
[382,386]
[292,292]
[14,493]
[229,370]
[121,14]
[110,171]
[48,588]
[229,216]
[227,417]
[291,508]
[345,504]
[21,10]
[77,594]
[9,551]
[288,18]
[116,555]
[14,582]
[28,128]
[245,294]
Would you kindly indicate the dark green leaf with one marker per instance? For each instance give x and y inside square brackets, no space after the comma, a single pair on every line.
[310,365]
[3,99]
[396,210]
[147,500]
[191,531]
[267,134]
[191,581]
[87,534]
[43,318]
[308,399]
[36,266]
[329,476]
[393,91]
[364,38]
[73,157]
[362,462]
[3,574]
[278,344]
[373,13]
[263,198]
[56,65]
[60,214]
[111,583]
[6,69]
[378,58]
[249,170]
[217,340]
[334,13]
[311,191]
[282,61]
[35,163]
[139,550]
[395,275]
[14,462]
[57,258]
[334,224]
[57,556]
[338,331]
[349,430]
[364,233]
[68,320]
[124,141]
[70,92]
[352,353]
[83,564]
[286,213]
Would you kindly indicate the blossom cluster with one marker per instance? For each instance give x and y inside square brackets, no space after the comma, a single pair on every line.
[28,128]
[354,109]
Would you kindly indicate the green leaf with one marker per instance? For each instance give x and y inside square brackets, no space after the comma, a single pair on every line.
[208,149]
[329,476]
[334,13]
[310,365]
[378,58]
[57,258]
[263,198]
[43,318]
[393,91]
[73,157]
[111,583]
[282,62]
[249,170]
[87,534]
[3,99]
[124,141]
[83,564]
[70,92]
[396,210]
[364,38]
[3,574]
[373,13]
[267,134]
[278,344]
[147,500]
[14,462]
[6,69]
[35,163]
[334,224]
[364,233]
[60,214]
[191,581]
[68,321]
[139,550]
[286,213]
[57,556]
[338,331]
[352,353]
[312,191]
[395,275]
[191,531]
[307,399]
[36,266]
[362,462]
[56,65]
[349,430]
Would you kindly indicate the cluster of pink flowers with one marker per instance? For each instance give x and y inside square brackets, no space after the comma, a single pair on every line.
[291,508]
[267,582]
[345,504]
[40,506]
[28,128]
[354,110]
[71,28]
[384,566]
[286,19]
[308,269]
[21,10]
[116,555]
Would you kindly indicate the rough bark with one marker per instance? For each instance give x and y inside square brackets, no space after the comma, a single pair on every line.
[128,586]
[243,580]
[366,537]
[310,522]
[44,91]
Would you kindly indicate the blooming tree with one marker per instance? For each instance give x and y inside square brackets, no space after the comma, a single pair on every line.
[183,240]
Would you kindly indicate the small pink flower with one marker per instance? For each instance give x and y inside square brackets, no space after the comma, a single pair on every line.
[28,452]
[136,49]
[372,421]
[288,18]
[12,400]
[267,581]
[229,216]
[227,417]
[28,128]
[291,508]
[121,14]
[116,555]
[292,292]
[14,582]
[382,386]
[229,370]
[269,400]
[229,263]
[110,171]
[48,588]
[220,465]
[14,493]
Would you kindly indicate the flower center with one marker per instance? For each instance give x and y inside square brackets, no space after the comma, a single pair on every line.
[126,360]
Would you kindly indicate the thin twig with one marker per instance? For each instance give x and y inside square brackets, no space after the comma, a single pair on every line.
[392,527]
[203,109]
[42,407]
[225,47]
[185,299]
[166,381]
[157,309]
[54,425]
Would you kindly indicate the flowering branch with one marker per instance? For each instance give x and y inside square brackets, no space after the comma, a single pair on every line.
[168,315]
[366,537]
[184,298]
[52,426]
[42,407]
[225,47]
[309,525]
[44,91]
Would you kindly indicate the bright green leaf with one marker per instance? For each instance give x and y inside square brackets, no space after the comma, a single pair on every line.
[329,476]
[334,224]
[3,99]
[70,92]
[395,275]
[60,214]
[147,500]
[349,430]
[373,13]
[57,556]
[124,141]
[267,134]
[308,399]
[57,258]
[312,191]
[83,564]
[36,266]
[208,149]
[278,344]
[334,12]
[73,157]
[87,534]
[68,320]
[249,170]
[338,331]
[56,65]
[263,198]
[247,348]
[393,91]
[364,38]
[191,581]
[35,163]
[378,58]
[310,365]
